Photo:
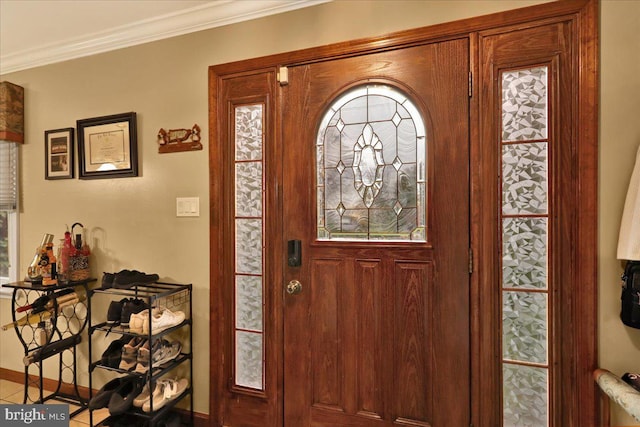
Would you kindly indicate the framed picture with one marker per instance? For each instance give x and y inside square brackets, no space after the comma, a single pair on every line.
[58,155]
[108,147]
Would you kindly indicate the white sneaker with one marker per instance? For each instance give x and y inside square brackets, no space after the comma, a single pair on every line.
[137,322]
[143,397]
[161,320]
[164,392]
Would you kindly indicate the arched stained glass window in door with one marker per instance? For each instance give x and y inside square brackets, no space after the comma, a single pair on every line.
[371,167]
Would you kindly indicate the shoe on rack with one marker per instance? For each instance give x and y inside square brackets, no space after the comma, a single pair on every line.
[165,352]
[163,319]
[173,420]
[122,398]
[107,280]
[134,305]
[138,320]
[114,313]
[130,353]
[112,355]
[125,279]
[124,420]
[144,355]
[143,397]
[165,391]
[102,397]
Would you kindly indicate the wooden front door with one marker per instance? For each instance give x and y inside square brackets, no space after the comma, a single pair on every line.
[376,314]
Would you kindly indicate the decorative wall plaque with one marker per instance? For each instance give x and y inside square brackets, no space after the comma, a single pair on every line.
[175,140]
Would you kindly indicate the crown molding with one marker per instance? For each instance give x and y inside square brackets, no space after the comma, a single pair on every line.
[204,17]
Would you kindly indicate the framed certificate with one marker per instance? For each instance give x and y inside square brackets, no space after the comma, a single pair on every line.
[107,147]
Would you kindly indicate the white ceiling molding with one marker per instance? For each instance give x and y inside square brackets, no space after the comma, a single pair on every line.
[186,21]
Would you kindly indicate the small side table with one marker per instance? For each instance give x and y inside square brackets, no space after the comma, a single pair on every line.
[63,321]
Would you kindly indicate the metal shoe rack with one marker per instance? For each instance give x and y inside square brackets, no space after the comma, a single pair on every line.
[55,331]
[171,296]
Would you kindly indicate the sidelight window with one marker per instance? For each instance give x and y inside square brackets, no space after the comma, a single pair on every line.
[249,248]
[525,229]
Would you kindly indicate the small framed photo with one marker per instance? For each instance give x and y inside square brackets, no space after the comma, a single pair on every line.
[58,158]
[108,147]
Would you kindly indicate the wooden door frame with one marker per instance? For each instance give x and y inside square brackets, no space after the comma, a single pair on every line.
[578,393]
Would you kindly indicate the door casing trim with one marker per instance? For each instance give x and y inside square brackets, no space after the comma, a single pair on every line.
[578,396]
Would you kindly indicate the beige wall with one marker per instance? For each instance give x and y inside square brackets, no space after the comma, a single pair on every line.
[619,141]
[132,222]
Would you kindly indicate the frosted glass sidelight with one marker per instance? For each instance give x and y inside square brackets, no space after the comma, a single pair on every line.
[249,302]
[526,297]
[248,296]
[249,189]
[248,136]
[524,253]
[371,167]
[249,371]
[525,396]
[524,174]
[524,104]
[524,326]
[249,246]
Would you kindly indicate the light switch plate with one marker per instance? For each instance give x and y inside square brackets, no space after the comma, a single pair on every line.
[187,206]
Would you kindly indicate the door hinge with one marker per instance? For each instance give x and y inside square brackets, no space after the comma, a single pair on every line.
[470,260]
[283,76]
[470,84]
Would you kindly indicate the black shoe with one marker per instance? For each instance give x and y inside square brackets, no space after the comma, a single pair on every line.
[103,396]
[122,398]
[124,420]
[130,307]
[121,276]
[632,379]
[112,355]
[127,278]
[173,420]
[114,313]
[107,280]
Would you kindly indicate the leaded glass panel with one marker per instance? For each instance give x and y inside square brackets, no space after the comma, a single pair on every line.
[524,326]
[370,167]
[525,396]
[524,104]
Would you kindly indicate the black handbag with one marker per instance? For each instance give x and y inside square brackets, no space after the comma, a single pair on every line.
[630,310]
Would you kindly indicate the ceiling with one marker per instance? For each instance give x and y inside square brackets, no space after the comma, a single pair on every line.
[40,32]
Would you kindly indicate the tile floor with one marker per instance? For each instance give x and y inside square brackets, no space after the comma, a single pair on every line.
[11,392]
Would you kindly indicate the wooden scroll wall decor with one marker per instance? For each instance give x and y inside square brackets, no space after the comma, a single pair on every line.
[175,140]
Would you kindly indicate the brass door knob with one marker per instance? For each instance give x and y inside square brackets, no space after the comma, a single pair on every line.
[294,287]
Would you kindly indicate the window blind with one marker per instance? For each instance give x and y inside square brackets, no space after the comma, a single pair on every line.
[8,176]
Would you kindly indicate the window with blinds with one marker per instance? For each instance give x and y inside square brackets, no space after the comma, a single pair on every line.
[8,176]
[8,214]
